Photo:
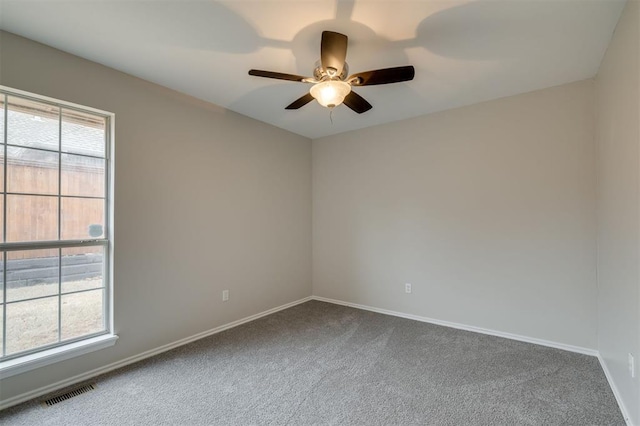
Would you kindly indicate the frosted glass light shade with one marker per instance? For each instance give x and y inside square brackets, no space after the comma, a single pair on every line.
[330,93]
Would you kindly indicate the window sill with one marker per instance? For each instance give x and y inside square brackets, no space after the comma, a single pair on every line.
[30,362]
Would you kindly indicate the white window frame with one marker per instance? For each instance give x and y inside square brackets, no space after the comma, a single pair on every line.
[60,351]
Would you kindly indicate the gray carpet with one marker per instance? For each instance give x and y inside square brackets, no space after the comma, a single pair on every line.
[319,363]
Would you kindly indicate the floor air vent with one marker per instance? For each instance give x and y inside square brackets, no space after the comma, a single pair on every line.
[67,395]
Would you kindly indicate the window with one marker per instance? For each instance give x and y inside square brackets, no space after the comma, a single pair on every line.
[54,224]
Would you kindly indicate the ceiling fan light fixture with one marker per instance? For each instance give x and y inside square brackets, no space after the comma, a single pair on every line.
[331,80]
[330,93]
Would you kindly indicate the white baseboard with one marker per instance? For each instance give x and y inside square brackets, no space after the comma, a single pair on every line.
[557,345]
[101,370]
[616,393]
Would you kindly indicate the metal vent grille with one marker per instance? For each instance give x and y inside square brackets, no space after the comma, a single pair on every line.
[63,397]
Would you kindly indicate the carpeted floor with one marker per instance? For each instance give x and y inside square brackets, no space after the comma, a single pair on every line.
[319,363]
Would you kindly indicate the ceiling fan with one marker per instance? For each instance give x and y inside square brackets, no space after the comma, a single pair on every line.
[331,80]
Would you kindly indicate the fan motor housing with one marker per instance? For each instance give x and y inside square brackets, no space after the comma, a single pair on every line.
[320,74]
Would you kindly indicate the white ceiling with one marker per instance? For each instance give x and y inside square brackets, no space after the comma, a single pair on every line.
[463,51]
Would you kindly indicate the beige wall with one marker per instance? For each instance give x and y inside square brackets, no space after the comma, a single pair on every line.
[488,210]
[205,200]
[618,135]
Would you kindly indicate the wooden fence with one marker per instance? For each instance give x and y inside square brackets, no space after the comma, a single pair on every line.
[35,218]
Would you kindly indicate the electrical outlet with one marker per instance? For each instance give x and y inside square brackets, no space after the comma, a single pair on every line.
[407,288]
[225,295]
[632,366]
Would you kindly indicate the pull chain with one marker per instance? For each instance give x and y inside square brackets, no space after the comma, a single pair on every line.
[331,116]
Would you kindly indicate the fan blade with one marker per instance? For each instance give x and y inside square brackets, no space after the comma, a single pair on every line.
[333,52]
[357,102]
[277,75]
[300,102]
[383,76]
